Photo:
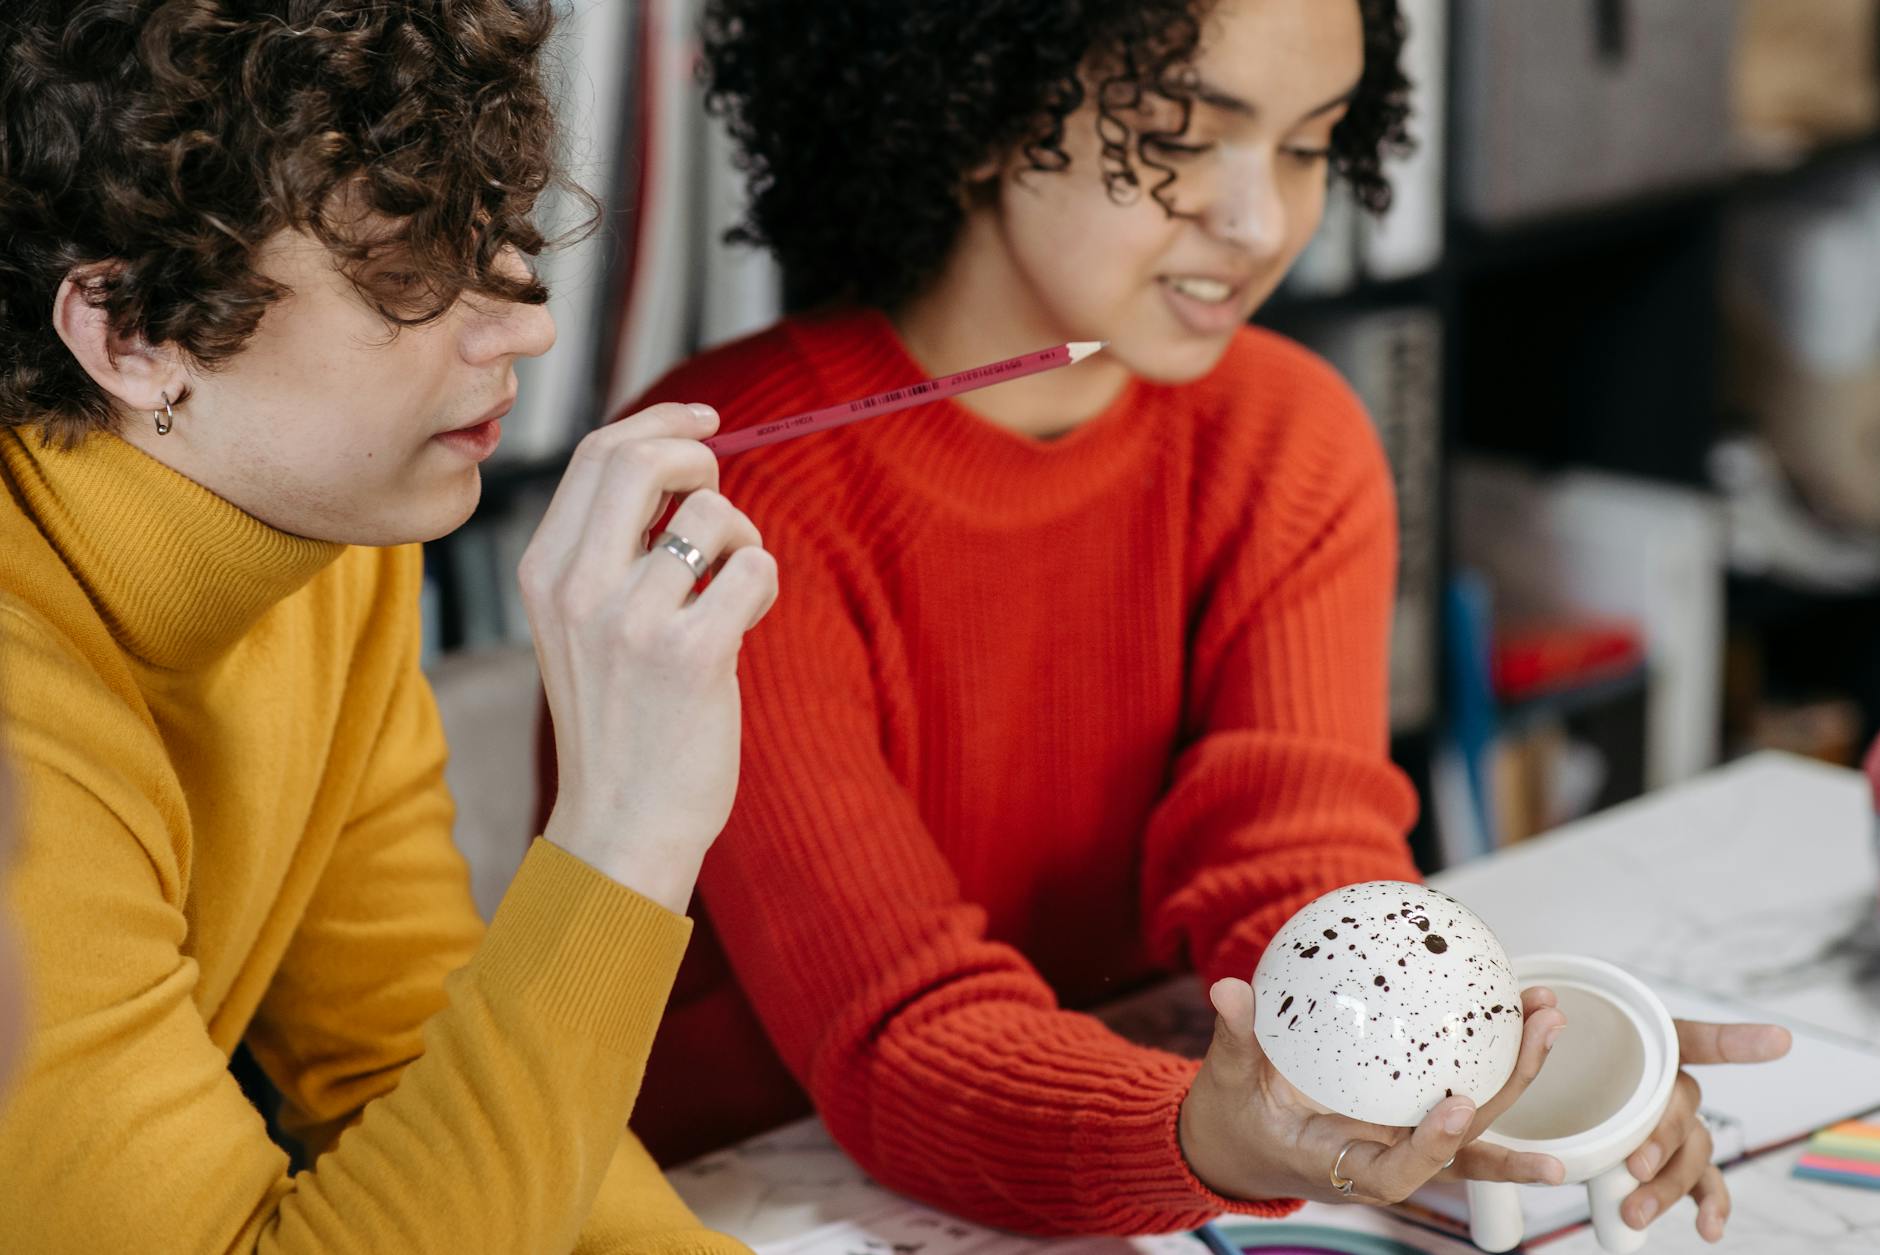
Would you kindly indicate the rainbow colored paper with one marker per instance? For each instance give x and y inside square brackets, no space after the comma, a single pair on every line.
[1846,1154]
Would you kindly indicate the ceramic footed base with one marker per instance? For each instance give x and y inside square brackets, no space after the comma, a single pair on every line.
[1495,1222]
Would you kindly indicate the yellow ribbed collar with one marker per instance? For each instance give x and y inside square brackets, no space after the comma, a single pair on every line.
[178,574]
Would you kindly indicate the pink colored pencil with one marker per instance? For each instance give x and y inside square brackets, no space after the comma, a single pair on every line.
[902,398]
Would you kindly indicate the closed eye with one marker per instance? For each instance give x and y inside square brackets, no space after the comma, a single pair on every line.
[1177,150]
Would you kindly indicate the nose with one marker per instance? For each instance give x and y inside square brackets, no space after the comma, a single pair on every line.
[508,331]
[1248,211]
[495,331]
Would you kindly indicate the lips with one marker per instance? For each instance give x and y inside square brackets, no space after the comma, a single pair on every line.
[1209,291]
[477,440]
[1207,305]
[494,414]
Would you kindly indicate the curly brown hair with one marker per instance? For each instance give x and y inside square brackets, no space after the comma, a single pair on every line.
[860,122]
[155,145]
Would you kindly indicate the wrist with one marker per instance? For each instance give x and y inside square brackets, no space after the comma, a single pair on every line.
[663,874]
[1221,1160]
[1193,1141]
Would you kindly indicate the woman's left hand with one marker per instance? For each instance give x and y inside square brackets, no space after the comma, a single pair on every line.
[1675,1160]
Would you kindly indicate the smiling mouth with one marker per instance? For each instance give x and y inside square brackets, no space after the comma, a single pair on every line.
[1207,291]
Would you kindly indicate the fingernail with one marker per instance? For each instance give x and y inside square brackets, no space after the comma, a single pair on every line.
[1458,1119]
[705,412]
[1646,1210]
[1648,1163]
[1553,1035]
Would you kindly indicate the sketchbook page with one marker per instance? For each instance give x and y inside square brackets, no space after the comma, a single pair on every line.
[1318,1229]
[900,1227]
[794,1191]
[1824,1079]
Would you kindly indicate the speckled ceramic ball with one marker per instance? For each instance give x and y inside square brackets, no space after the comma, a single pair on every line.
[1379,1000]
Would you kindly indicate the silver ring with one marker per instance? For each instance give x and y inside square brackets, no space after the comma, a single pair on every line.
[1343,1184]
[684,550]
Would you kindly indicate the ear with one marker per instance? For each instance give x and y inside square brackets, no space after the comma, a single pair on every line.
[133,372]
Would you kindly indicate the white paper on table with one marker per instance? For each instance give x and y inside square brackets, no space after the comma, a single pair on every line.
[905,1228]
[1824,1079]
[900,1227]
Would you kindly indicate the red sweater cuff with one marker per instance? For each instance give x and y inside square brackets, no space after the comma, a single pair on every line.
[1139,1157]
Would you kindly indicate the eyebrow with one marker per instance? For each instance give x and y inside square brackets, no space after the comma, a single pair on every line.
[1230,103]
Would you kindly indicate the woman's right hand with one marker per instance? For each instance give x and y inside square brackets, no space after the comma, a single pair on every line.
[1247,1133]
[641,675]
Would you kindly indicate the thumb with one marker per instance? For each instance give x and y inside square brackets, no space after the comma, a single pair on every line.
[1234,1044]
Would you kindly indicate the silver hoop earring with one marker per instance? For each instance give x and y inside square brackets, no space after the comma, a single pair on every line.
[167,418]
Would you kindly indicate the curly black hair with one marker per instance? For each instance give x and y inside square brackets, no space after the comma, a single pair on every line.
[156,144]
[859,123]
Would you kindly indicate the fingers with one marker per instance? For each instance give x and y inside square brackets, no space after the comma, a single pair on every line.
[1687,1167]
[602,463]
[636,480]
[1233,1051]
[1390,1174]
[575,567]
[659,422]
[1673,1128]
[715,527]
[1731,1043]
[1539,1029]
[1713,1204]
[1538,998]
[1480,1161]
[742,592]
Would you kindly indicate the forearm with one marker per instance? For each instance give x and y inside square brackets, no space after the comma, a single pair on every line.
[1257,825]
[637,1212]
[981,1097]
[527,1076]
[495,1139]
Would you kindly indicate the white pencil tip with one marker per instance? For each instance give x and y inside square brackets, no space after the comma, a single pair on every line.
[1080,349]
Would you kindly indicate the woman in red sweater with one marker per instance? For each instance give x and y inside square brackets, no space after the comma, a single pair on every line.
[1082,680]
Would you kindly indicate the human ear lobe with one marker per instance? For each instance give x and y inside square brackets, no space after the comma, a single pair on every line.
[135,373]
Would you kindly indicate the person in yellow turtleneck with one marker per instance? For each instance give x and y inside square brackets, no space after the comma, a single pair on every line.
[261,297]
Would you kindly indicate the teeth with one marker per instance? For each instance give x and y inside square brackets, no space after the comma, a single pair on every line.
[1213,291]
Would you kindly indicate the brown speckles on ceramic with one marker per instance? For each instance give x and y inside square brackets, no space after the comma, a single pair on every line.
[1387,1048]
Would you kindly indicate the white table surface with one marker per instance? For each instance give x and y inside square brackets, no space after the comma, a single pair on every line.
[1757,882]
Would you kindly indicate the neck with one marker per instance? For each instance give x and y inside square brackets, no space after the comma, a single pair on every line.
[980,310]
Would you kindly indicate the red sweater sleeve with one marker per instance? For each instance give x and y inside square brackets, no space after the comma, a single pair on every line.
[939,1059]
[1285,789]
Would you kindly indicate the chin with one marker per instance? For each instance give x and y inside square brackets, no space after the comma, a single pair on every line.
[445,516]
[1172,361]
[419,517]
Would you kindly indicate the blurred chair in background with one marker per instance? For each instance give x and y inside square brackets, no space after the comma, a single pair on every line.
[488,700]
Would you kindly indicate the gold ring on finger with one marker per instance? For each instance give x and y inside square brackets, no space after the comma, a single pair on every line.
[1343,1184]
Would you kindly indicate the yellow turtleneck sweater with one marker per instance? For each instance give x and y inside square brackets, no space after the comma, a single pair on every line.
[236,829]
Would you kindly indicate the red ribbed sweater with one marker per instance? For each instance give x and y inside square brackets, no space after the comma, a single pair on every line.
[1032,721]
